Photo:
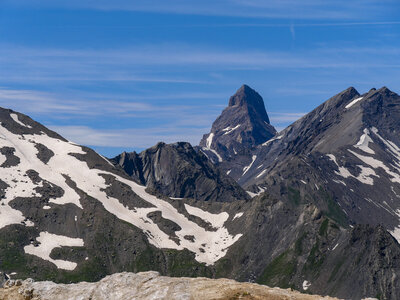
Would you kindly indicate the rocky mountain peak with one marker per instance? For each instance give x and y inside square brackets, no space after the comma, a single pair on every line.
[249,99]
[177,170]
[242,125]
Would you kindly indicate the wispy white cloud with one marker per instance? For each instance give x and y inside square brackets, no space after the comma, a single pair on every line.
[285,9]
[168,63]
[147,137]
[129,137]
[192,123]
[45,103]
[284,117]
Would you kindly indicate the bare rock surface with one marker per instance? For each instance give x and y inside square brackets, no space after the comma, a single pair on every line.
[146,286]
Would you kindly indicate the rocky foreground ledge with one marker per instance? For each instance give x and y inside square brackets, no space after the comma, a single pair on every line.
[146,286]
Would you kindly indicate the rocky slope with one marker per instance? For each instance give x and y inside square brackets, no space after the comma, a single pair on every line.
[243,125]
[148,285]
[342,158]
[67,214]
[350,147]
[178,171]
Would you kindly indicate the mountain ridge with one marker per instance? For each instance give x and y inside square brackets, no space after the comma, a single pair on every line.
[177,170]
[314,215]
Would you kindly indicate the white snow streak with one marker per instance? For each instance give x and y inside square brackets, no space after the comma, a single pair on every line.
[229,129]
[106,159]
[245,169]
[363,143]
[213,151]
[353,102]
[209,140]
[216,153]
[273,139]
[238,215]
[306,285]
[396,233]
[16,119]
[50,241]
[261,174]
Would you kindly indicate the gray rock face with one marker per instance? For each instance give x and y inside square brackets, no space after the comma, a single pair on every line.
[349,146]
[177,170]
[149,286]
[243,125]
[3,279]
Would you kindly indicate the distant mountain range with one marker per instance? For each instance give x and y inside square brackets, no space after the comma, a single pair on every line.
[315,207]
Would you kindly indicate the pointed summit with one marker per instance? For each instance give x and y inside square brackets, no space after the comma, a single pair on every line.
[250,99]
[242,125]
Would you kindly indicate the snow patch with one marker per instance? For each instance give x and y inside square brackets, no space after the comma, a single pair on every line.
[342,170]
[260,191]
[209,140]
[262,173]
[46,207]
[273,139]
[363,177]
[306,285]
[204,149]
[50,241]
[396,233]
[238,215]
[229,129]
[29,223]
[3,158]
[216,220]
[353,102]
[375,163]
[245,169]
[93,183]
[394,192]
[16,119]
[216,153]
[363,143]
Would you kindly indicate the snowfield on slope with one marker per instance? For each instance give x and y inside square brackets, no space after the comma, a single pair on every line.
[208,246]
[50,241]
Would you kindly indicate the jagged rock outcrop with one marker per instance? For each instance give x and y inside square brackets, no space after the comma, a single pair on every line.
[177,170]
[243,125]
[150,285]
[3,278]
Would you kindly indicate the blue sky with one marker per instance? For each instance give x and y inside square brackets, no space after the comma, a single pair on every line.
[122,75]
